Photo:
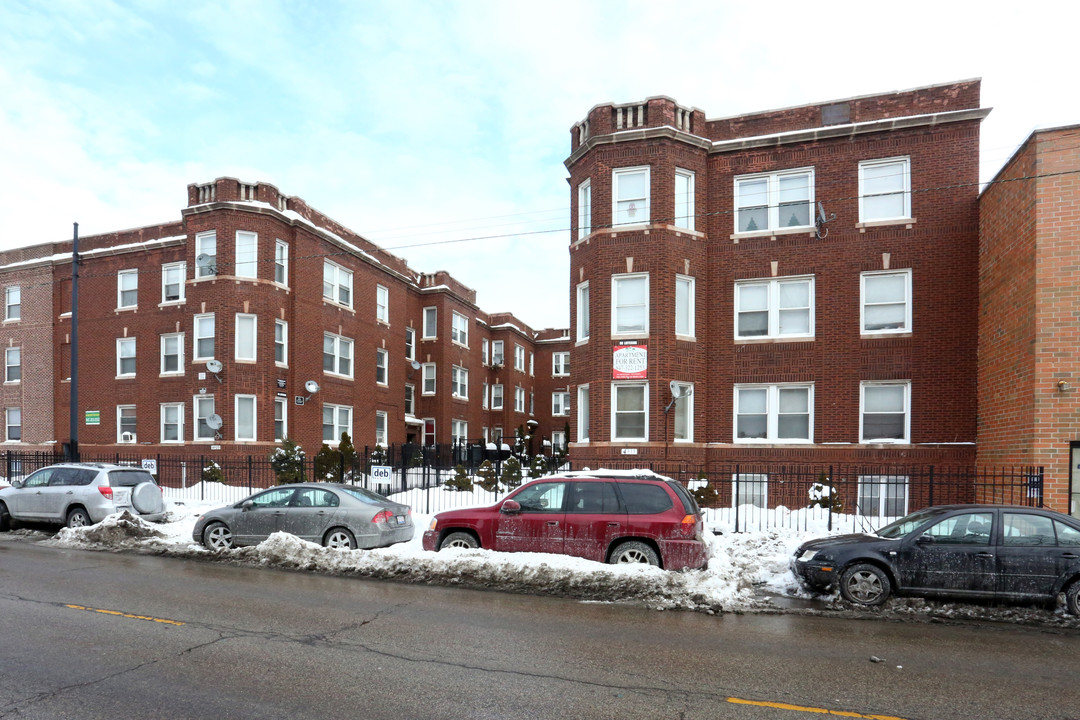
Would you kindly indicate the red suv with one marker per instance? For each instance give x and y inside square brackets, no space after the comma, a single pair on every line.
[624,518]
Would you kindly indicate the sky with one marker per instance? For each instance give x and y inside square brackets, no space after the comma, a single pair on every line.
[439,129]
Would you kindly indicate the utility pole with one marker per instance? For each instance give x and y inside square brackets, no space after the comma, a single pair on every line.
[73,446]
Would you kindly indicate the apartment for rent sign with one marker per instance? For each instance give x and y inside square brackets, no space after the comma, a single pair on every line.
[630,362]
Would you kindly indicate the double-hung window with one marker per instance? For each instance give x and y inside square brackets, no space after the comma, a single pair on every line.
[12,303]
[172,354]
[203,407]
[584,209]
[336,419]
[497,356]
[459,432]
[774,413]
[484,397]
[245,337]
[750,489]
[684,306]
[885,190]
[774,201]
[381,366]
[12,364]
[684,413]
[245,418]
[630,196]
[380,428]
[560,364]
[459,329]
[337,355]
[172,422]
[247,254]
[127,289]
[885,414]
[125,424]
[459,382]
[172,282]
[204,337]
[519,358]
[410,343]
[560,403]
[629,412]
[684,199]
[281,416]
[583,413]
[630,304]
[125,357]
[337,284]
[410,399]
[497,397]
[281,262]
[485,351]
[281,343]
[431,323]
[205,254]
[428,377]
[774,308]
[382,303]
[519,399]
[883,496]
[583,311]
[13,424]
[886,302]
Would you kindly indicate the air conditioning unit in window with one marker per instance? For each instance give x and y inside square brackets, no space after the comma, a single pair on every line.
[128,437]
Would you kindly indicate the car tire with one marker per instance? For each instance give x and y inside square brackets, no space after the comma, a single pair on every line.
[217,536]
[146,498]
[458,540]
[339,538]
[77,518]
[634,552]
[1072,597]
[865,584]
[5,518]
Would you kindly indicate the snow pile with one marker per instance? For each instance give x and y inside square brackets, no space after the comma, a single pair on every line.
[115,532]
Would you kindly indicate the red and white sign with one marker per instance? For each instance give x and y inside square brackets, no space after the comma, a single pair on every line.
[630,362]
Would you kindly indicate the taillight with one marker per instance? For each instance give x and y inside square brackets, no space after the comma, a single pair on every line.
[689,525]
[384,516]
[105,490]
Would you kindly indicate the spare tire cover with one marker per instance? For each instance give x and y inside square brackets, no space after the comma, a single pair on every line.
[146,498]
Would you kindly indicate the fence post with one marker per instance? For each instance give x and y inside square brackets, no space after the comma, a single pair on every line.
[832,489]
[931,496]
[202,485]
[735,500]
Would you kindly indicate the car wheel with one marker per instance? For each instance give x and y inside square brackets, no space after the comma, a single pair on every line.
[634,552]
[459,540]
[146,498]
[1072,597]
[217,536]
[5,518]
[339,538]
[77,518]
[865,584]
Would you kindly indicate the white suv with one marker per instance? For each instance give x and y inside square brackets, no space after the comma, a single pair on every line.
[78,494]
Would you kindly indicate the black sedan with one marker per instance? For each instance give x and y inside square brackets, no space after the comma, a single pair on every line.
[973,551]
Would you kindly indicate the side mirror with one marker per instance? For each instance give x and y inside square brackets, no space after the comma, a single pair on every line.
[247,505]
[17,483]
[925,539]
[510,507]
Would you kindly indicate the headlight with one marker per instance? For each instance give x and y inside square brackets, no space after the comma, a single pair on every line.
[434,522]
[807,555]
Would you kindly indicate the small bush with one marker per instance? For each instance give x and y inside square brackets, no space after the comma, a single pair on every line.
[705,493]
[511,472]
[287,462]
[486,473]
[213,473]
[460,480]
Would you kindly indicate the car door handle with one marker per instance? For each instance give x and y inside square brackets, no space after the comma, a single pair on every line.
[613,524]
[984,555]
[1070,556]
[553,523]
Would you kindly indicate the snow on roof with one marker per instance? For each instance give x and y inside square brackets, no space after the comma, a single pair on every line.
[64,257]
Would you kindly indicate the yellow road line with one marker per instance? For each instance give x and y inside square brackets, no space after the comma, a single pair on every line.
[125,615]
[819,711]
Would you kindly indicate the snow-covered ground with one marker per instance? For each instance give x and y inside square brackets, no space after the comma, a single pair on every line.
[748,571]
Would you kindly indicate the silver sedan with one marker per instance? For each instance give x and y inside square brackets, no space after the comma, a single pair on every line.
[339,516]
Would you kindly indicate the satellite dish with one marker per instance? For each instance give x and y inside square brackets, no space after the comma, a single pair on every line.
[214,366]
[821,213]
[311,386]
[209,262]
[213,421]
[415,365]
[678,390]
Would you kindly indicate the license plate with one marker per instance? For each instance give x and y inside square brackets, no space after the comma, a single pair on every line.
[400,519]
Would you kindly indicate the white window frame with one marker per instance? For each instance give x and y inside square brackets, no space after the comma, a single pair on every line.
[560,364]
[242,413]
[497,397]
[339,426]
[582,312]
[903,168]
[410,343]
[242,321]
[10,424]
[281,418]
[772,199]
[197,330]
[382,304]
[120,425]
[759,485]
[619,196]
[429,431]
[560,403]
[584,206]
[281,263]
[247,264]
[202,241]
[166,338]
[519,357]
[410,399]
[428,379]
[337,284]
[341,353]
[13,303]
[121,343]
[484,396]
[173,274]
[772,413]
[519,399]
[201,412]
[558,440]
[863,304]
[281,330]
[683,408]
[459,432]
[583,413]
[459,329]
[382,367]
[615,388]
[485,351]
[17,364]
[459,382]
[532,364]
[498,352]
[906,385]
[381,425]
[127,281]
[616,305]
[685,307]
[684,199]
[773,289]
[882,499]
[430,326]
[163,410]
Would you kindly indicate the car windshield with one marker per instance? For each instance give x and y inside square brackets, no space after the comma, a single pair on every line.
[908,523]
[365,496]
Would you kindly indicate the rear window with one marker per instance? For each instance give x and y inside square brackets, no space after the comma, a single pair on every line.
[129,478]
[689,503]
[645,498]
[364,496]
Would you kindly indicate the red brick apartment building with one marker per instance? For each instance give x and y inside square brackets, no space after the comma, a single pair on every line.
[806,279]
[239,310]
[1029,332]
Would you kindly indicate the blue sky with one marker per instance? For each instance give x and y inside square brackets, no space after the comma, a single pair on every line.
[439,129]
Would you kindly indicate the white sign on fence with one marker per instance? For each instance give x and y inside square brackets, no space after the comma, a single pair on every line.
[381,472]
[150,465]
